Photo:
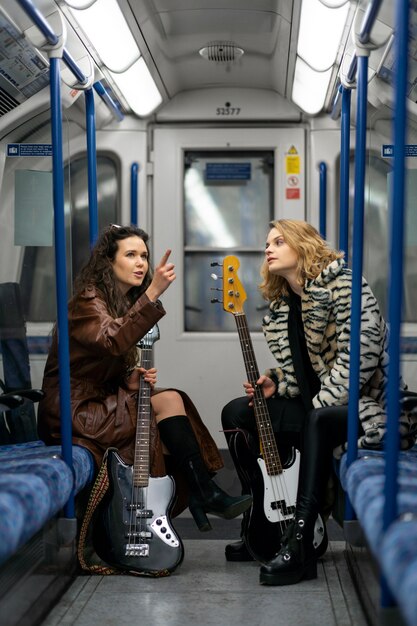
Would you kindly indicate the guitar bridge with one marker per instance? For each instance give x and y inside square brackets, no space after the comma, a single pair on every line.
[137,549]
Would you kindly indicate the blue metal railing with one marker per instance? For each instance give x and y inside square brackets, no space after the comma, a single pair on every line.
[323,199]
[344,173]
[397,218]
[106,97]
[134,190]
[363,38]
[61,272]
[357,265]
[92,166]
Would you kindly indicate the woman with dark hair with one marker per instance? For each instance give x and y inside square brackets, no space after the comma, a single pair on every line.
[115,304]
[308,332]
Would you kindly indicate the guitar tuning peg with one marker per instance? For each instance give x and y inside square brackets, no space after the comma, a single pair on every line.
[214,276]
[215,264]
[214,300]
[215,289]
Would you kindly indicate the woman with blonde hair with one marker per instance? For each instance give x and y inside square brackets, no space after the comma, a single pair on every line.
[307,330]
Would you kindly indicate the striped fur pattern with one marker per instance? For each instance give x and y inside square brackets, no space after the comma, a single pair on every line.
[326,302]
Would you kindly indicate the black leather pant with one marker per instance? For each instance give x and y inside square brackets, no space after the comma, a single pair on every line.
[315,433]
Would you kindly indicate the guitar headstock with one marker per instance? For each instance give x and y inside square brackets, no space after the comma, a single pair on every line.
[149,339]
[234,294]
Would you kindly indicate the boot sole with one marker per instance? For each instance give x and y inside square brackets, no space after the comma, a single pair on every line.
[233,511]
[289,578]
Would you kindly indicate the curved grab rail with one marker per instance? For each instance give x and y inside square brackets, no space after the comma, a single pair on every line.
[38,19]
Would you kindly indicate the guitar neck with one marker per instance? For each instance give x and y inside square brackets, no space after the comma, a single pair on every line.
[263,420]
[142,457]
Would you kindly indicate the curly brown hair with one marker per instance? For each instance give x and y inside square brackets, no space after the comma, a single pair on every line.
[314,255]
[98,272]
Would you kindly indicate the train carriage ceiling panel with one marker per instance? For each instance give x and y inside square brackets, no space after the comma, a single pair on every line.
[201,45]
[198,44]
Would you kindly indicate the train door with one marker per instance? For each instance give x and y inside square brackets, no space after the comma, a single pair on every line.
[214,193]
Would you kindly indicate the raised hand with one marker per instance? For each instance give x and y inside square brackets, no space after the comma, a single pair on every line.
[164,275]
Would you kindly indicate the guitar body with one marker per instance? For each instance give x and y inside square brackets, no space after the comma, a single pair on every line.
[273,503]
[133,531]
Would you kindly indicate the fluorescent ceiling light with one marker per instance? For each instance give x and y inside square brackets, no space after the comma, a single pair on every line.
[139,89]
[107,30]
[310,87]
[321,29]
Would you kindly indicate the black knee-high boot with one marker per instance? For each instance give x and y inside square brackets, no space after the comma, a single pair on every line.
[205,496]
[297,559]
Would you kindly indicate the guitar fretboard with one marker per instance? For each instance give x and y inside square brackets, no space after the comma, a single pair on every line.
[263,420]
[141,458]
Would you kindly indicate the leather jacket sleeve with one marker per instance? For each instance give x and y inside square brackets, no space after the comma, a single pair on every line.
[95,329]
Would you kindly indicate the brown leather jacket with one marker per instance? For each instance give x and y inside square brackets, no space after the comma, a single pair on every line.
[103,404]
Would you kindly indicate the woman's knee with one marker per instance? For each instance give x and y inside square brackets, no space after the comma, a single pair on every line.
[326,419]
[232,413]
[168,403]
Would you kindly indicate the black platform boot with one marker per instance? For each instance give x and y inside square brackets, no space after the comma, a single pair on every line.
[205,496]
[237,551]
[296,559]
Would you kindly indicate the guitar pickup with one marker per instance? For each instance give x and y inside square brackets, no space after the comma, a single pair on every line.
[137,549]
[140,512]
[281,506]
[143,534]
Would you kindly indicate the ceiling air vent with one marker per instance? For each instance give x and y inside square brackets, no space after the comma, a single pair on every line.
[221,52]
[7,102]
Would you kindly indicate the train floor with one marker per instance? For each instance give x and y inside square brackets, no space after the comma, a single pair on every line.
[207,590]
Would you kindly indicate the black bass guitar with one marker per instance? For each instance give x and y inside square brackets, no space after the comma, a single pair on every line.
[273,484]
[134,531]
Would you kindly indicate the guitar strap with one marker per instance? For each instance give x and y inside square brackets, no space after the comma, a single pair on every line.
[86,555]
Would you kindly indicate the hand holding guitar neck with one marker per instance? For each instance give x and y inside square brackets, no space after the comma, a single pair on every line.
[265,384]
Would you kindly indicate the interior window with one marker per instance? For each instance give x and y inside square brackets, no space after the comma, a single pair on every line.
[37,280]
[228,204]
[376,233]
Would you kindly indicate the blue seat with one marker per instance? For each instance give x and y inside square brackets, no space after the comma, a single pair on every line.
[35,483]
[399,564]
[396,549]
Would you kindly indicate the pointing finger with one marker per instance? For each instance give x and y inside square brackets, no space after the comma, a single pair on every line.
[165,257]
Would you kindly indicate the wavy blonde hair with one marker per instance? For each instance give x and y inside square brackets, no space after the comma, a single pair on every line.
[314,254]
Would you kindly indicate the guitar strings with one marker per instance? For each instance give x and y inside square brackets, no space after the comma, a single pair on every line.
[138,499]
[269,449]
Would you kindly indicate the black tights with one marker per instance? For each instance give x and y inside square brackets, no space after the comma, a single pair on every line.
[315,433]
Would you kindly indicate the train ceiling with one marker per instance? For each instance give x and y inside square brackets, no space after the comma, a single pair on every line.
[191,45]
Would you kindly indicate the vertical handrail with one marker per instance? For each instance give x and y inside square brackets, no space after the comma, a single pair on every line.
[134,182]
[357,265]
[323,199]
[344,173]
[397,218]
[61,273]
[91,166]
